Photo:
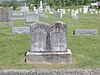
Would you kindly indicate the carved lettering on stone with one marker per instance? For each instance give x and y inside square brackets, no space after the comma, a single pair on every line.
[45,37]
[58,37]
[38,37]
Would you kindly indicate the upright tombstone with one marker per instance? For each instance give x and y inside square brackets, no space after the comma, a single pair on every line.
[74,15]
[69,10]
[85,10]
[24,8]
[58,14]
[80,9]
[96,12]
[5,14]
[61,10]
[34,9]
[40,9]
[31,18]
[58,37]
[48,44]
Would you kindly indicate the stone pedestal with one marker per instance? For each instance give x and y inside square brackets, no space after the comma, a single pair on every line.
[49,57]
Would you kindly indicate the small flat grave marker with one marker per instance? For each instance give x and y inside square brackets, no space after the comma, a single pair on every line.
[85,32]
[20,30]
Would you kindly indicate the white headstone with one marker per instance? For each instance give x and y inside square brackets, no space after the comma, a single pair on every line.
[34,8]
[68,10]
[61,10]
[24,9]
[85,9]
[99,12]
[80,10]
[96,12]
[76,11]
[74,15]
[41,5]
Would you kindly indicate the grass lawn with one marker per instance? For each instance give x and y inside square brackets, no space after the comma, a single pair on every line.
[85,49]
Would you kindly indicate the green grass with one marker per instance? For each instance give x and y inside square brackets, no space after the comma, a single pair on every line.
[85,49]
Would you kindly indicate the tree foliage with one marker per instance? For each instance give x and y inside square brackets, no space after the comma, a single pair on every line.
[52,3]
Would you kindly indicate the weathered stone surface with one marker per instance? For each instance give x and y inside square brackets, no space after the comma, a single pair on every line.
[24,9]
[20,30]
[38,36]
[49,57]
[85,32]
[58,37]
[48,44]
[52,72]
[31,18]
[5,14]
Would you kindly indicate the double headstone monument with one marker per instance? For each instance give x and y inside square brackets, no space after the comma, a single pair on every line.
[48,44]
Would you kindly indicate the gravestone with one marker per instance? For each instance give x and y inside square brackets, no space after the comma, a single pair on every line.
[34,9]
[85,32]
[58,14]
[58,37]
[43,16]
[5,14]
[48,44]
[61,10]
[96,12]
[74,15]
[85,10]
[20,30]
[17,15]
[24,9]
[69,10]
[31,18]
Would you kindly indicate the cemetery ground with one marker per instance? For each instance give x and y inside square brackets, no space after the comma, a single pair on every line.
[85,49]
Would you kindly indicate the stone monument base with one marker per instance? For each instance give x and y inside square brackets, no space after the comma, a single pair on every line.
[49,57]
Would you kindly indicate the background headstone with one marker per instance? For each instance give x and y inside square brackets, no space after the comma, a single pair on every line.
[5,14]
[74,15]
[43,16]
[85,32]
[24,9]
[58,14]
[31,17]
[20,30]
[58,37]
[17,15]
